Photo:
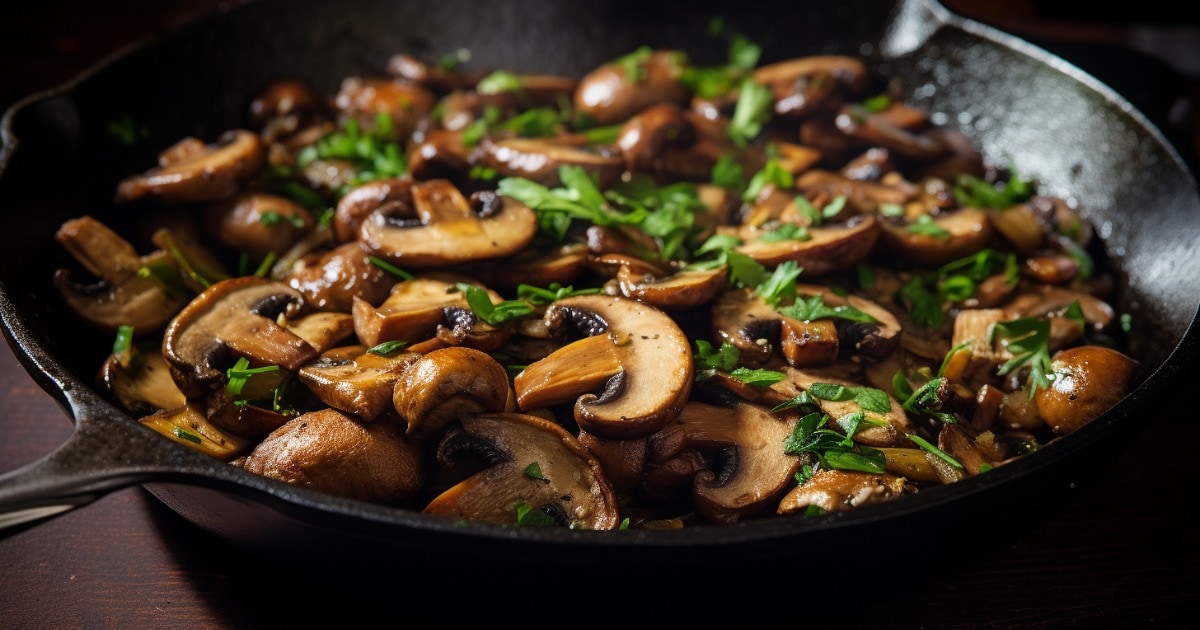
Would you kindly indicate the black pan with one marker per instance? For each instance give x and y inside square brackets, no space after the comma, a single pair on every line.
[1076,136]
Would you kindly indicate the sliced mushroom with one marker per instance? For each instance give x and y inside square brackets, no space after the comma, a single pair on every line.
[447,229]
[123,297]
[143,387]
[871,340]
[900,128]
[863,195]
[416,308]
[623,461]
[332,452]
[838,490]
[392,196]
[950,236]
[804,85]
[188,425]
[755,471]
[685,288]
[234,318]
[366,98]
[534,464]
[258,224]
[333,280]
[634,352]
[192,172]
[361,384]
[541,159]
[443,385]
[617,90]
[829,249]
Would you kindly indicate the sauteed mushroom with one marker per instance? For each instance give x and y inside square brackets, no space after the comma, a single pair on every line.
[599,306]
[633,352]
[534,465]
[191,171]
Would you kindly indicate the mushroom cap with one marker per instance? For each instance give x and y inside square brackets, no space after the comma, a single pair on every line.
[447,229]
[235,317]
[572,483]
[635,351]
[830,249]
[1087,381]
[331,451]
[446,383]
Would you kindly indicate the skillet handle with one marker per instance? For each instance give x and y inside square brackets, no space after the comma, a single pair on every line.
[100,457]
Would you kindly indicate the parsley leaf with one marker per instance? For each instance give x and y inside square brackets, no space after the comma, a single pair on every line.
[812,307]
[1028,339]
[752,111]
[493,314]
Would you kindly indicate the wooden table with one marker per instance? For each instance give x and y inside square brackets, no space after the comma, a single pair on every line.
[1120,552]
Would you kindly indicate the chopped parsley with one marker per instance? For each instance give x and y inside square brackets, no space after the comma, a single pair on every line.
[833,449]
[812,307]
[1028,339]
[493,314]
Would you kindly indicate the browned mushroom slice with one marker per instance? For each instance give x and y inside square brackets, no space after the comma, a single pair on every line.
[643,137]
[235,317]
[251,415]
[365,98]
[537,267]
[871,340]
[634,352]
[1087,381]
[122,297]
[258,224]
[866,196]
[441,154]
[754,471]
[362,384]
[910,463]
[333,280]
[432,76]
[393,196]
[535,465]
[198,172]
[415,309]
[540,159]
[188,425]
[838,490]
[323,329]
[1053,302]
[899,127]
[142,387]
[445,384]
[330,451]
[685,288]
[942,239]
[623,461]
[742,318]
[447,229]
[829,249]
[975,454]
[617,90]
[806,84]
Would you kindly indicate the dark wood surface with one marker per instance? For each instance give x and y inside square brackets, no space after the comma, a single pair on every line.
[1122,552]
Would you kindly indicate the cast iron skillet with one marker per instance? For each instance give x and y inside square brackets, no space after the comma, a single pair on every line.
[1076,136]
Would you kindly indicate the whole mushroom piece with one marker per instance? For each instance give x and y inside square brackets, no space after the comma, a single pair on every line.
[331,451]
